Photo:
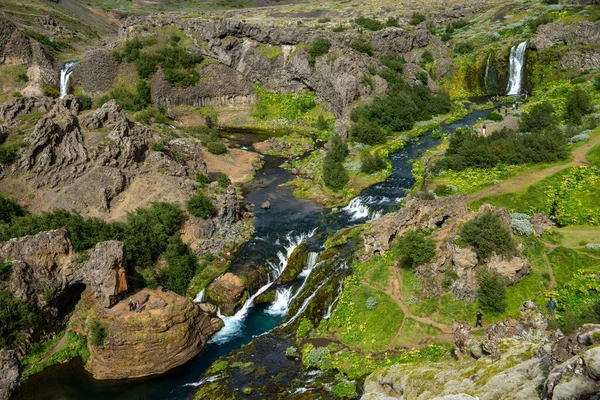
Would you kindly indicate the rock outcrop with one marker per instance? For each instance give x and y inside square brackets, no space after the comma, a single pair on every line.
[96,72]
[229,292]
[45,263]
[557,33]
[167,332]
[10,372]
[15,48]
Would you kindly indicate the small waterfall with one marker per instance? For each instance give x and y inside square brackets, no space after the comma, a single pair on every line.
[487,74]
[339,294]
[358,208]
[231,328]
[65,75]
[517,64]
[200,296]
[305,304]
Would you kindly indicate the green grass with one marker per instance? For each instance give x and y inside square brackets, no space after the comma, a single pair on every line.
[414,332]
[361,328]
[566,262]
[593,156]
[577,236]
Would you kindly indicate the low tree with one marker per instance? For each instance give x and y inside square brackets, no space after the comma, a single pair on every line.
[491,294]
[488,235]
[539,118]
[415,248]
[200,205]
[335,175]
[15,316]
[579,103]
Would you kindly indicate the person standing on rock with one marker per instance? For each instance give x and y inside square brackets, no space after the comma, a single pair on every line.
[138,307]
[131,305]
[483,129]
[479,317]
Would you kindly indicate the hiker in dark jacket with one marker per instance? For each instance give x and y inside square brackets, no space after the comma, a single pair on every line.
[478,322]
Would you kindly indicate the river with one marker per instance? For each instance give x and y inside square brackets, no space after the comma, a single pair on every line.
[277,230]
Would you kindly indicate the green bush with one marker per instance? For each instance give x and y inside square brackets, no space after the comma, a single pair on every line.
[86,101]
[394,62]
[5,270]
[368,132]
[16,316]
[491,294]
[444,190]
[97,333]
[22,77]
[181,266]
[158,146]
[579,103]
[371,24]
[57,45]
[422,76]
[316,357]
[335,175]
[392,22]
[371,163]
[322,124]
[338,149]
[130,101]
[362,46]
[201,179]
[538,118]
[317,48]
[417,18]
[427,57]
[217,147]
[371,303]
[488,235]
[223,180]
[8,154]
[415,248]
[464,48]
[200,205]
[10,209]
[345,389]
[597,83]
[494,116]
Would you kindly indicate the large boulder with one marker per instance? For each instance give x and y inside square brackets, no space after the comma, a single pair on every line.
[512,268]
[10,372]
[46,260]
[228,292]
[557,33]
[167,332]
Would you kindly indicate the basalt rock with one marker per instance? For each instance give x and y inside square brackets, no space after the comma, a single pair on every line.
[3,133]
[15,48]
[229,292]
[45,263]
[167,332]
[10,372]
[12,110]
[557,33]
[96,72]
[540,223]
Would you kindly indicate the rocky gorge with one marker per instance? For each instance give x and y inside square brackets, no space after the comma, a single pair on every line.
[143,186]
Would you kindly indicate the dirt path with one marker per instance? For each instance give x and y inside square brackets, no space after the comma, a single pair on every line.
[521,181]
[552,282]
[394,291]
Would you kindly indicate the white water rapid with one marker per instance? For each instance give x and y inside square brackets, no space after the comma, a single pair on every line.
[517,64]
[232,323]
[358,208]
[487,73]
[200,296]
[65,75]
[339,294]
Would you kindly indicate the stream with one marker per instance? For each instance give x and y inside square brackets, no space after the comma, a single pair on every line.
[288,223]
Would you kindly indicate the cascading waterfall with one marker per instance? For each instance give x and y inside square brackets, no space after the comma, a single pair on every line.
[359,208]
[232,323]
[200,296]
[339,294]
[487,73]
[65,75]
[517,64]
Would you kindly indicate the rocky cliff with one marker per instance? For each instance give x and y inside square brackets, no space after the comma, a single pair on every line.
[448,214]
[516,359]
[167,332]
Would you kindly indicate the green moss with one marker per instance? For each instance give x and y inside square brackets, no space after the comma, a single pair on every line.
[270,52]
[216,367]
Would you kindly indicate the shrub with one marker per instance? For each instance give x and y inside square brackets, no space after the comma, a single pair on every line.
[415,248]
[393,62]
[538,118]
[16,316]
[362,46]
[371,303]
[597,83]
[17,94]
[494,116]
[22,77]
[392,22]
[318,48]
[338,150]
[422,76]
[371,24]
[521,227]
[8,155]
[339,28]
[291,352]
[371,163]
[10,209]
[579,138]
[491,294]
[97,333]
[217,147]
[335,175]
[424,195]
[158,146]
[417,18]
[368,132]
[223,180]
[57,45]
[488,235]
[5,270]
[444,190]
[427,57]
[579,103]
[464,48]
[344,389]
[86,102]
[201,179]
[181,266]
[322,124]
[316,357]
[200,205]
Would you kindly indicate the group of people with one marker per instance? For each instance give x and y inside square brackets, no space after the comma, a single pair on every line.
[137,307]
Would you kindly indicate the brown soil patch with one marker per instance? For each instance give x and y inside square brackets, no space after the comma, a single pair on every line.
[237,164]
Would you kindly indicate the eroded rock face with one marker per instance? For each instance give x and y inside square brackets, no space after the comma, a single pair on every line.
[10,372]
[556,33]
[15,48]
[45,262]
[229,292]
[10,111]
[168,332]
[96,72]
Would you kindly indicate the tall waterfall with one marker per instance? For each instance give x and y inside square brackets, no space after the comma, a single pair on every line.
[517,64]
[65,75]
[487,73]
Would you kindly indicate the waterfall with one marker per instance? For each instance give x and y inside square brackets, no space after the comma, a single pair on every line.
[358,208]
[339,294]
[517,64]
[65,75]
[487,73]
[231,328]
[200,296]
[305,304]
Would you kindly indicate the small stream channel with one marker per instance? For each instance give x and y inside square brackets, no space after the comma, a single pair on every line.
[279,230]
